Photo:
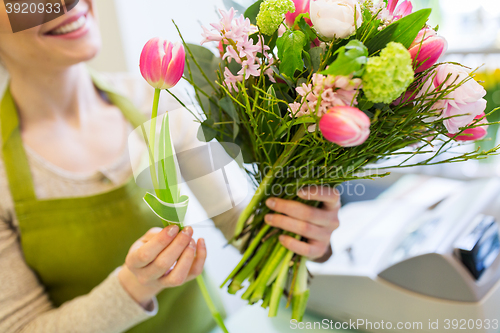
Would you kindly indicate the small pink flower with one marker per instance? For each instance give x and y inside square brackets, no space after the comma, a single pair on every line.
[231,80]
[345,125]
[475,133]
[162,63]
[427,48]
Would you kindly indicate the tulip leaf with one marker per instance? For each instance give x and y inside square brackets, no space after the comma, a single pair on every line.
[409,26]
[252,12]
[381,40]
[167,168]
[290,47]
[351,59]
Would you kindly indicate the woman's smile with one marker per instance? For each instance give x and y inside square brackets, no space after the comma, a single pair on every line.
[73,27]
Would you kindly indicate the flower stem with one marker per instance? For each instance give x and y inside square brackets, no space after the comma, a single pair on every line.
[152,142]
[266,183]
[279,285]
[211,306]
[300,292]
[253,245]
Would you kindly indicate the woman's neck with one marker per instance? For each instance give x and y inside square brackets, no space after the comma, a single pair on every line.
[67,95]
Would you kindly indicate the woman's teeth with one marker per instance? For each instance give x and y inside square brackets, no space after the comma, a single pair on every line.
[70,27]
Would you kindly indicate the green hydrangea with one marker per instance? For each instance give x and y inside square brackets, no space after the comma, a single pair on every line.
[388,75]
[272,13]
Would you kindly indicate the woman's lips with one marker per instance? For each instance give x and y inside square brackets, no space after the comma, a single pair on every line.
[72,28]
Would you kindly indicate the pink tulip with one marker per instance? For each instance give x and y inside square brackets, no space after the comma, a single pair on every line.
[427,48]
[475,133]
[345,125]
[301,7]
[404,9]
[162,63]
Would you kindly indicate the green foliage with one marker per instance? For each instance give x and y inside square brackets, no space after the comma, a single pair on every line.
[351,59]
[290,47]
[252,11]
[408,27]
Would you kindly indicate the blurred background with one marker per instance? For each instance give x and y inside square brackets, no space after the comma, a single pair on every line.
[472,29]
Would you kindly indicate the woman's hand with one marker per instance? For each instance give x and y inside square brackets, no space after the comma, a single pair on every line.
[148,266]
[315,224]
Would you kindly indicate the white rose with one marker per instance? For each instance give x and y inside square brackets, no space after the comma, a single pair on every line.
[335,18]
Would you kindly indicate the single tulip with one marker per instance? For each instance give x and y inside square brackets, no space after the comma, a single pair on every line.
[162,63]
[475,133]
[301,7]
[427,48]
[345,125]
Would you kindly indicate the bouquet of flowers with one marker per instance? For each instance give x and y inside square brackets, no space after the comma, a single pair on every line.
[315,93]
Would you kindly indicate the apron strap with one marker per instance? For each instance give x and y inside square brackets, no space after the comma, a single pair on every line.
[14,156]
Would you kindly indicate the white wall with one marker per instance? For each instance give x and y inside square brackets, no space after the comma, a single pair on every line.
[138,21]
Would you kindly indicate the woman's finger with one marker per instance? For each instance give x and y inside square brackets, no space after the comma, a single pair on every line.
[311,250]
[329,195]
[151,245]
[199,261]
[301,228]
[168,256]
[181,270]
[302,211]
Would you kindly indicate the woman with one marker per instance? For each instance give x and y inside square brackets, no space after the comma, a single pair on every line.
[68,212]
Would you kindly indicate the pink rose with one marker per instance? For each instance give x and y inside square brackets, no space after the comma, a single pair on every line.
[463,104]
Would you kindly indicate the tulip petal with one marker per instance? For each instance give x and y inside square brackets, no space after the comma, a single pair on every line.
[175,68]
[150,62]
[391,6]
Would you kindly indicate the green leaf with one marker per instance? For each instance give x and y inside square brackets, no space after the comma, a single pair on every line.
[206,132]
[226,103]
[252,12]
[168,212]
[350,60]
[290,47]
[316,53]
[409,26]
[167,170]
[381,39]
[209,64]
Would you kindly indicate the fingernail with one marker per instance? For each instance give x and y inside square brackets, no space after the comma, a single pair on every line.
[268,218]
[173,230]
[282,238]
[202,243]
[192,244]
[271,203]
[188,231]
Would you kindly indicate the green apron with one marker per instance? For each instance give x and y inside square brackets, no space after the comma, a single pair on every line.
[73,244]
